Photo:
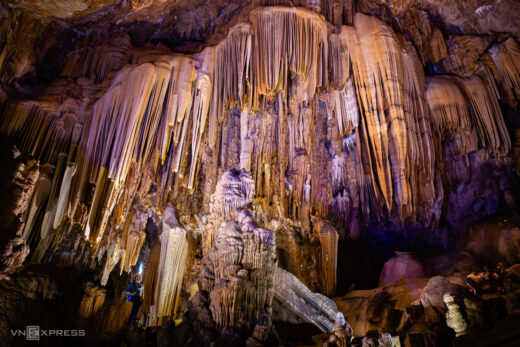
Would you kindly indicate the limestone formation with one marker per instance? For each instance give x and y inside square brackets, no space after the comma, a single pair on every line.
[252,150]
[141,128]
[22,176]
[239,271]
[403,265]
[342,334]
[311,307]
[329,255]
[169,272]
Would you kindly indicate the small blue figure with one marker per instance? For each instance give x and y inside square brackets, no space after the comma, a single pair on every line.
[134,294]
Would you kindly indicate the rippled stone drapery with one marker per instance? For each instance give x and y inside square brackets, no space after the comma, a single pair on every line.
[170,270]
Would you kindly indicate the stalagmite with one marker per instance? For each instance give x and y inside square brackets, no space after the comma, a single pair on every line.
[454,318]
[134,238]
[239,271]
[234,190]
[342,334]
[170,270]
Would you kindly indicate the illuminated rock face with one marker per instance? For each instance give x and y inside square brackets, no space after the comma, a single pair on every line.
[294,297]
[22,175]
[339,122]
[238,270]
[312,121]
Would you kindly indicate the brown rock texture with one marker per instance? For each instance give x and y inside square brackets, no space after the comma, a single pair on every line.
[238,271]
[22,174]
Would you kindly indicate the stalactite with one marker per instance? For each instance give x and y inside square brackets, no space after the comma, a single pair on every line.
[345,109]
[450,114]
[301,49]
[339,58]
[170,270]
[506,57]
[113,253]
[339,12]
[377,66]
[421,156]
[229,78]
[329,255]
[200,113]
[92,301]
[487,117]
[38,199]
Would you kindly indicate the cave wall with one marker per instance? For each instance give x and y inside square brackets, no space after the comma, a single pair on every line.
[394,123]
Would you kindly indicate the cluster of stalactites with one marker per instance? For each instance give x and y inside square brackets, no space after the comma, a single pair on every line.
[505,65]
[142,120]
[337,12]
[96,62]
[230,69]
[123,245]
[389,94]
[288,44]
[148,128]
[466,113]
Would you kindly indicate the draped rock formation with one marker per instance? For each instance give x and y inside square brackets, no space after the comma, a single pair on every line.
[310,307]
[381,158]
[329,255]
[223,145]
[168,273]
